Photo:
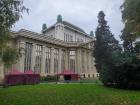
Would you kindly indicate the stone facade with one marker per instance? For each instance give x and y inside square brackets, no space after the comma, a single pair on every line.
[63,46]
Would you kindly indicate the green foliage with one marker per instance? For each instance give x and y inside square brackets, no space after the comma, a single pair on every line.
[127,76]
[117,68]
[119,58]
[67,94]
[105,44]
[49,78]
[123,72]
[131,18]
[10,12]
[10,56]
[137,48]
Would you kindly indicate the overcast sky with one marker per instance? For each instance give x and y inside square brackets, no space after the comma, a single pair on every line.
[82,13]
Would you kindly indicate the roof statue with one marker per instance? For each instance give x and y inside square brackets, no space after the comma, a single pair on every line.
[59,18]
[91,33]
[44,28]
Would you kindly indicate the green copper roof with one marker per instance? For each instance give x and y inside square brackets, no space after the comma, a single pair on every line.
[59,18]
[91,33]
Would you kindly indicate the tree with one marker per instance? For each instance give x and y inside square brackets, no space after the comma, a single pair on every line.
[10,12]
[131,18]
[105,45]
[126,73]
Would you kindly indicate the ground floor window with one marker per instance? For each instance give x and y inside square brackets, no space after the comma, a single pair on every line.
[56,54]
[72,60]
[83,62]
[88,75]
[63,60]
[47,59]
[28,56]
[38,58]
[93,75]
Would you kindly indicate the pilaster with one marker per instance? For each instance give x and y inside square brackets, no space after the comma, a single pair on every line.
[22,58]
[43,61]
[85,60]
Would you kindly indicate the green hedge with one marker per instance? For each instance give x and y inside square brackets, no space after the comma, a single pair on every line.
[49,78]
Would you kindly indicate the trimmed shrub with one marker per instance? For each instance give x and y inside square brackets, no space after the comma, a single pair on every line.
[50,78]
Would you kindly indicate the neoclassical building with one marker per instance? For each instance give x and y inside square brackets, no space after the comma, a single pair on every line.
[62,46]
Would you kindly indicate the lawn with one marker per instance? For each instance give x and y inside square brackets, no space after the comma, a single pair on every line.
[67,94]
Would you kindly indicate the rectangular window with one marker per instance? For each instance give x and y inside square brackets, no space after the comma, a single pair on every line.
[83,62]
[47,59]
[63,60]
[38,58]
[71,38]
[28,56]
[56,60]
[72,60]
[64,37]
[68,37]
[88,61]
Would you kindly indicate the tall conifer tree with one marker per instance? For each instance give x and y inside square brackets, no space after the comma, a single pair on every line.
[105,45]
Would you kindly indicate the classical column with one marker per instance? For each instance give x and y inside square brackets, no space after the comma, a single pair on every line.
[52,61]
[43,61]
[90,61]
[22,58]
[60,61]
[85,60]
[33,56]
[76,61]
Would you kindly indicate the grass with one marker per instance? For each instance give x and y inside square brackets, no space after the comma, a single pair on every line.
[67,94]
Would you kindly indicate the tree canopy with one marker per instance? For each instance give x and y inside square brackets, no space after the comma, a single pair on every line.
[105,42]
[105,45]
[10,12]
[131,18]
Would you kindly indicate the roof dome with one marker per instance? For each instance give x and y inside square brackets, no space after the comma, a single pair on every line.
[59,18]
[91,33]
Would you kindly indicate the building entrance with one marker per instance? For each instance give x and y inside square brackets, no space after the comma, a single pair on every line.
[67,77]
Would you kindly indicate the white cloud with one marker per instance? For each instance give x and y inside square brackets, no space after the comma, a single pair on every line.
[82,13]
